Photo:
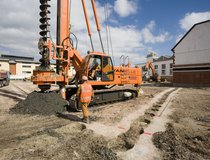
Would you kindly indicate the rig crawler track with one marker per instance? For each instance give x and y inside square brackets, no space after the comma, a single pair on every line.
[105,97]
[102,97]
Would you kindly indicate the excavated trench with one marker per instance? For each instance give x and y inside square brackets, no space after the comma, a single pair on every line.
[127,140]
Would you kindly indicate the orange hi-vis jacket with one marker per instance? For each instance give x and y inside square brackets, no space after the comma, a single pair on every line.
[86,92]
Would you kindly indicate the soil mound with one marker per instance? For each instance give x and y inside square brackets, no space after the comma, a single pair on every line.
[176,146]
[40,104]
[89,146]
[169,143]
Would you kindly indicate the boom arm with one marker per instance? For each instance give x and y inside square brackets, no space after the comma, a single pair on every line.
[155,75]
[149,65]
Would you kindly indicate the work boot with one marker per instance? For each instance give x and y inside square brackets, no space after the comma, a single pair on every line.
[86,120]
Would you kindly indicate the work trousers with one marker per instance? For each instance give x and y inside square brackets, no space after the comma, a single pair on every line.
[85,110]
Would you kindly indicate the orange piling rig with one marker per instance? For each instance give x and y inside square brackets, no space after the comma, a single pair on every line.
[66,55]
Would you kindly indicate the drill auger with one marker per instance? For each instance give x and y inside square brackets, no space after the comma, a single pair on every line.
[44,26]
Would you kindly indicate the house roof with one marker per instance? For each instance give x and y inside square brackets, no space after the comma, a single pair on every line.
[140,64]
[188,33]
[4,59]
[13,57]
[163,58]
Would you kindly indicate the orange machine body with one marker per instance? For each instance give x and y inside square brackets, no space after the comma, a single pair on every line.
[117,75]
[66,55]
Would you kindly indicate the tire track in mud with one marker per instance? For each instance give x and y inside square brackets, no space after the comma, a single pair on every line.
[14,92]
[21,130]
[72,140]
[25,93]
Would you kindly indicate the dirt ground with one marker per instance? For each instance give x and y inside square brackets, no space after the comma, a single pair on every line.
[115,129]
[188,132]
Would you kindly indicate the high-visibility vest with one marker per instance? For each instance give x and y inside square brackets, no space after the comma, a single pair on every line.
[86,92]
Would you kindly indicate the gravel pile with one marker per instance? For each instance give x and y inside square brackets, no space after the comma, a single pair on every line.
[40,104]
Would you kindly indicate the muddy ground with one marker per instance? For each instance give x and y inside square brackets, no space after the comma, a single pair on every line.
[114,132]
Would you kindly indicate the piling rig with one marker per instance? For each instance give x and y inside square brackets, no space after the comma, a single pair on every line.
[66,55]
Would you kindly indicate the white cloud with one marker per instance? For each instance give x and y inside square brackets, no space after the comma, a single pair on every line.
[149,37]
[151,25]
[125,8]
[19,30]
[191,18]
[19,27]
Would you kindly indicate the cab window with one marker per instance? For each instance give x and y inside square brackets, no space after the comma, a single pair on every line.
[94,68]
[107,69]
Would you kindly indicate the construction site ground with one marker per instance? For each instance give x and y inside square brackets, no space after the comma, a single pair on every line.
[162,123]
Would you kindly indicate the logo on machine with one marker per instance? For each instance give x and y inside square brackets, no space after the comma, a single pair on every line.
[119,70]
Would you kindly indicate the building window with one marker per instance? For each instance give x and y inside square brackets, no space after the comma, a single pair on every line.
[163,66]
[163,72]
[26,72]
[156,66]
[171,71]
[171,68]
[26,66]
[26,62]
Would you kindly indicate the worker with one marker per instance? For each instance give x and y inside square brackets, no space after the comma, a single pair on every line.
[95,72]
[85,94]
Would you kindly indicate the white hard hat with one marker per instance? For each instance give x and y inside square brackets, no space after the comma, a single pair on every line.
[84,78]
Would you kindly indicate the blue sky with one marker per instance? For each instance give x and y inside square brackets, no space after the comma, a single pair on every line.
[137,26]
[166,14]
